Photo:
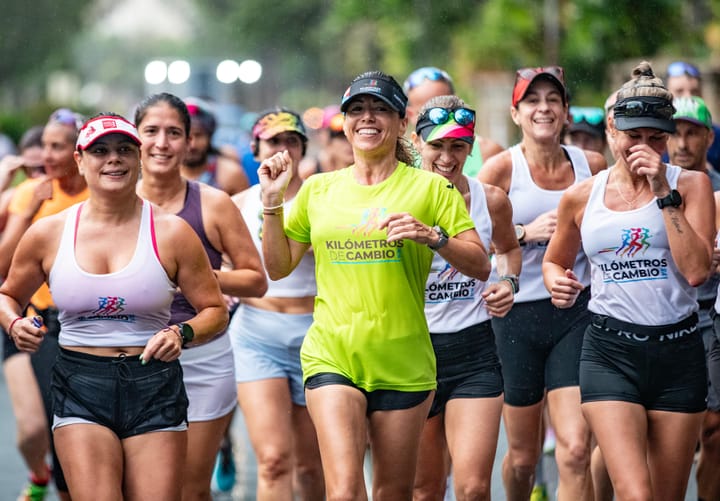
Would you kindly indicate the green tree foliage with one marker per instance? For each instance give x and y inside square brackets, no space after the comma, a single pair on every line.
[332,41]
[37,34]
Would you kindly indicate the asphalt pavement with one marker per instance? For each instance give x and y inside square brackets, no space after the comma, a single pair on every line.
[13,473]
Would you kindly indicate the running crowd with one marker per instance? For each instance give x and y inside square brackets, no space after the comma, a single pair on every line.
[392,287]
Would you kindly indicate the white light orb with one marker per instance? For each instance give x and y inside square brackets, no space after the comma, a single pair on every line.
[250,71]
[156,72]
[227,71]
[178,72]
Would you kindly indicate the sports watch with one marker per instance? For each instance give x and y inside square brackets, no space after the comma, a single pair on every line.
[186,332]
[442,238]
[514,282]
[520,233]
[674,199]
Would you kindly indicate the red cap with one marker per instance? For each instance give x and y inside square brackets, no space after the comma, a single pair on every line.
[526,76]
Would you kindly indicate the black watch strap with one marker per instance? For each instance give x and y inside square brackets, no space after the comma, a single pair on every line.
[442,238]
[186,332]
[674,199]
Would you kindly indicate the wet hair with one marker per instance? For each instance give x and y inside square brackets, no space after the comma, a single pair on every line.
[31,137]
[163,97]
[644,83]
[449,102]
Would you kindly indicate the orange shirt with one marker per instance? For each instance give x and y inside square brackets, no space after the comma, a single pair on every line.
[22,197]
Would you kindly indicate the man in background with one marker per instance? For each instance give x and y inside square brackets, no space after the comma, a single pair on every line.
[427,82]
[218,167]
[688,148]
[684,79]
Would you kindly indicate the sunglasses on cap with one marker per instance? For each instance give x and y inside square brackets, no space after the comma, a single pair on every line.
[637,108]
[591,115]
[681,68]
[530,73]
[67,117]
[439,116]
[426,73]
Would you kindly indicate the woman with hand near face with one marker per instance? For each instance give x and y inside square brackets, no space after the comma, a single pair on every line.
[648,230]
[367,359]
[58,186]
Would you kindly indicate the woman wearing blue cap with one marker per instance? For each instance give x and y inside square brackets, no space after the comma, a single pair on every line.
[367,359]
[647,229]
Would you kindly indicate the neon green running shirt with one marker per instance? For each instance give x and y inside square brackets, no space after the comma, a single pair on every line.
[369,321]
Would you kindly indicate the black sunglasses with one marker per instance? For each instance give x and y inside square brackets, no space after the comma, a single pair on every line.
[637,108]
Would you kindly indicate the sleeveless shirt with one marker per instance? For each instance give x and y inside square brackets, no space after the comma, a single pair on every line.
[529,201]
[123,308]
[452,300]
[634,277]
[301,282]
[191,212]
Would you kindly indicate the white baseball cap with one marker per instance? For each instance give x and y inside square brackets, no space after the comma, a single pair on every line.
[103,125]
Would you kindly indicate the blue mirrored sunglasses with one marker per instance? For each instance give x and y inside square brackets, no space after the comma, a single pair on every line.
[591,115]
[439,116]
[680,68]
[426,73]
[67,117]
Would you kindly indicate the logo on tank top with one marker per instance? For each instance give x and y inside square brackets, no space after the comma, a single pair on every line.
[630,265]
[449,285]
[109,308]
[359,249]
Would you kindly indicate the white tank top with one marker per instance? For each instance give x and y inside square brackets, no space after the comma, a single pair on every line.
[529,201]
[123,308]
[452,300]
[301,282]
[634,277]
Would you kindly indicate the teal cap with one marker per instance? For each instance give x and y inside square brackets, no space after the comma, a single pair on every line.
[692,109]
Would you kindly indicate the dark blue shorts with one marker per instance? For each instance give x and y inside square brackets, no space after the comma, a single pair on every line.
[467,365]
[539,347]
[665,373]
[119,393]
[378,400]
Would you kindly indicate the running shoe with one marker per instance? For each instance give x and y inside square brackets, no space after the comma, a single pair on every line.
[539,493]
[224,473]
[34,492]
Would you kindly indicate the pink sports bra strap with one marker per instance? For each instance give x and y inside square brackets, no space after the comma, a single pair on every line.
[77,223]
[152,234]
